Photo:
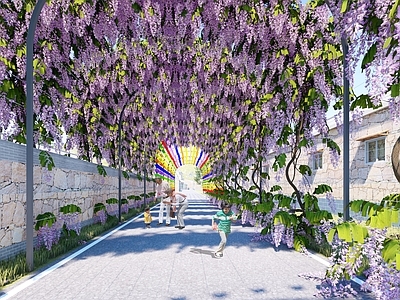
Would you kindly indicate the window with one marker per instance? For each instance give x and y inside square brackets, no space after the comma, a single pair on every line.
[375,150]
[317,160]
[265,169]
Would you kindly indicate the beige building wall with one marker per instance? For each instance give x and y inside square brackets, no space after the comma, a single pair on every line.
[368,181]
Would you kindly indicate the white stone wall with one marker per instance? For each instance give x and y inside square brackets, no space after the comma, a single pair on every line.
[52,190]
[367,181]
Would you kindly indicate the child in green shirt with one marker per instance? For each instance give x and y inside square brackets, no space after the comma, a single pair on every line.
[225,217]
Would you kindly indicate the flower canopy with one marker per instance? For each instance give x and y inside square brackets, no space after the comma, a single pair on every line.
[235,78]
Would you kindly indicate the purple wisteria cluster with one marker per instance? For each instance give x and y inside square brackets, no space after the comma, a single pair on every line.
[382,278]
[100,217]
[49,235]
[71,222]
[112,209]
[207,73]
[349,260]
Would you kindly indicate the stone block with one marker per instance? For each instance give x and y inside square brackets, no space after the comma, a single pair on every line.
[47,177]
[17,235]
[8,213]
[18,172]
[37,174]
[71,180]
[6,171]
[5,238]
[60,179]
[19,214]
[10,188]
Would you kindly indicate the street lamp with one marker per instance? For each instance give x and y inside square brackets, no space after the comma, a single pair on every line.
[346,134]
[29,132]
[120,162]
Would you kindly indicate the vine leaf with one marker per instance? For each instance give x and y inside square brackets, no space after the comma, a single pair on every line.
[102,171]
[46,160]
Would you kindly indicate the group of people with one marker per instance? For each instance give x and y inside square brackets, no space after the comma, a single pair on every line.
[177,202]
[170,200]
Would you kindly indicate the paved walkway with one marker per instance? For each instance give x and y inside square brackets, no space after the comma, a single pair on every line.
[165,263]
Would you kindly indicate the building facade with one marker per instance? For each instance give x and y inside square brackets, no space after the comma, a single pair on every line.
[374,158]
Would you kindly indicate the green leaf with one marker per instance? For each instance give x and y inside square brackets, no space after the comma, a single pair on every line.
[112,201]
[102,171]
[265,207]
[283,217]
[363,101]
[393,11]
[46,160]
[331,234]
[395,216]
[303,143]
[125,174]
[343,9]
[44,219]
[305,170]
[387,42]
[395,90]
[70,208]
[390,249]
[134,197]
[299,242]
[275,188]
[28,8]
[331,144]
[136,7]
[283,200]
[356,205]
[359,232]
[322,189]
[344,232]
[98,207]
[398,261]
[369,56]
[245,7]
[280,161]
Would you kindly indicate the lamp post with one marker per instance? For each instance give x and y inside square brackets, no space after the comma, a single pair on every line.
[29,132]
[144,192]
[120,162]
[346,134]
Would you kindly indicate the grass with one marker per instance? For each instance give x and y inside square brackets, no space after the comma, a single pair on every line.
[16,267]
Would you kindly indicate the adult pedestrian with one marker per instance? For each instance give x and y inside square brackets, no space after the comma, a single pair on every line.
[165,203]
[180,201]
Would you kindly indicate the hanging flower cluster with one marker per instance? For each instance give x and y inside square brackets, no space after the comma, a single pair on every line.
[230,77]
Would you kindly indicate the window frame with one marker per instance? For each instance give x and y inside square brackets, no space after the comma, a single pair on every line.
[317,155]
[377,154]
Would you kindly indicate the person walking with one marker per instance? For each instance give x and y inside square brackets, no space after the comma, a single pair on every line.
[180,201]
[165,203]
[225,216]
[147,217]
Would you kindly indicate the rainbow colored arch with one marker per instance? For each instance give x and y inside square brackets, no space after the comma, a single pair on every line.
[170,157]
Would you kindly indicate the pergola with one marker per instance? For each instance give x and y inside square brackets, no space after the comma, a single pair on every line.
[237,79]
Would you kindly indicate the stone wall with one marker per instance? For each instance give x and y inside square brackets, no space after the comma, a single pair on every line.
[368,181]
[72,182]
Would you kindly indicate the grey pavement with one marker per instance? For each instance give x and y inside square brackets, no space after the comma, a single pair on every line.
[165,263]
